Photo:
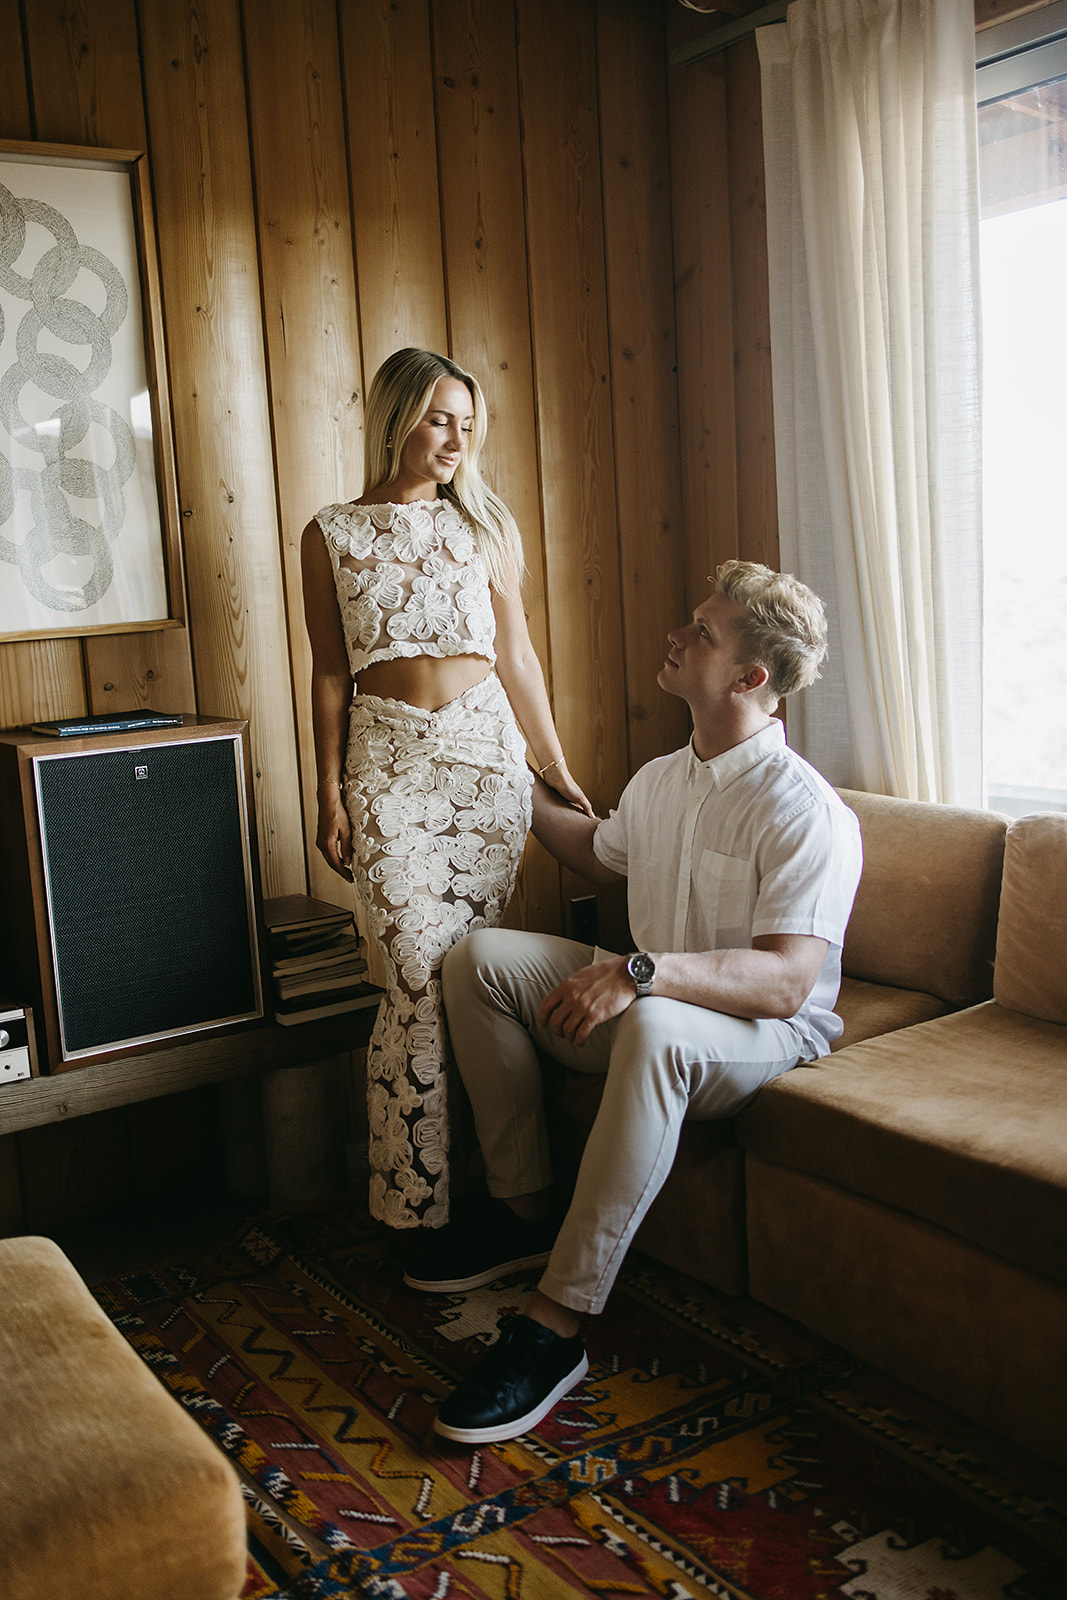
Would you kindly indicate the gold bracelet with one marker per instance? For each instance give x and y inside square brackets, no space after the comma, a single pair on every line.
[329,783]
[548,766]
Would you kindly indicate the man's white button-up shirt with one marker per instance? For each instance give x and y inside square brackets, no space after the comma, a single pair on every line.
[719,852]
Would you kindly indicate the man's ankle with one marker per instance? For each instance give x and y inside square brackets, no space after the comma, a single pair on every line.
[560,1319]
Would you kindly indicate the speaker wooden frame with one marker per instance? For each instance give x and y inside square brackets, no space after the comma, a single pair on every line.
[26,935]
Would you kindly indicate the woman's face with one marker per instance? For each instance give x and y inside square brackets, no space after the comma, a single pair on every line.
[436,445]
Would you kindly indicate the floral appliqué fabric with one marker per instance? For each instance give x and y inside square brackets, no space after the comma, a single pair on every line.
[410,582]
[440,808]
[439,803]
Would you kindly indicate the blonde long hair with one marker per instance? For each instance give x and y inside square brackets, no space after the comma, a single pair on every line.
[398,400]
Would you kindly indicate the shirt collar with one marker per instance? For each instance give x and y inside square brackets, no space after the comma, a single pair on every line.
[733,763]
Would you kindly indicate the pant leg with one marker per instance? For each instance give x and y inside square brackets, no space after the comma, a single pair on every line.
[668,1061]
[494,982]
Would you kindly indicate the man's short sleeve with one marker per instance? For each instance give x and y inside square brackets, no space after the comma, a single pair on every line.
[809,869]
[609,841]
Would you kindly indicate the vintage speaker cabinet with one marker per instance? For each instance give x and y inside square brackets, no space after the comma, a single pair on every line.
[131,910]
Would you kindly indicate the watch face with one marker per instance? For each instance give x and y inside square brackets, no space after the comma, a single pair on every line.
[641,968]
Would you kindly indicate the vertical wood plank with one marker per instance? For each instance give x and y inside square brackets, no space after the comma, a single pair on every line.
[704,299]
[309,299]
[564,225]
[393,176]
[640,312]
[130,670]
[14,97]
[757,495]
[480,153]
[194,79]
[86,73]
[45,673]
[87,90]
[40,679]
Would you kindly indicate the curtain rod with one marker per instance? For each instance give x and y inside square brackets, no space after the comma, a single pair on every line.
[709,44]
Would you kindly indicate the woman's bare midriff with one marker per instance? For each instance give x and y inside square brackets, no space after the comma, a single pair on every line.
[426,681]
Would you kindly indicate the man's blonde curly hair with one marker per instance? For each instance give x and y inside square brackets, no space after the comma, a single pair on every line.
[784,628]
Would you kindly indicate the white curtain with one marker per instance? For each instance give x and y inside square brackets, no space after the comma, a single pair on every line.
[872,220]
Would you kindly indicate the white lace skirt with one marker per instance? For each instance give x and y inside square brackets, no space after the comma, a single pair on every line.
[440,808]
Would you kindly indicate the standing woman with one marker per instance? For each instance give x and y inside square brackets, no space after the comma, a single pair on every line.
[423,788]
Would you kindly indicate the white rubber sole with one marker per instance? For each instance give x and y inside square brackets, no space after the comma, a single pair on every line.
[512,1430]
[478,1279]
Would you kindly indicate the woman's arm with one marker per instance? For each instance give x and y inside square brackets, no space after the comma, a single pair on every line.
[519,671]
[331,697]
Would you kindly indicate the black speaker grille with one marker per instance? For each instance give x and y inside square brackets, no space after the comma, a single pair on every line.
[146,867]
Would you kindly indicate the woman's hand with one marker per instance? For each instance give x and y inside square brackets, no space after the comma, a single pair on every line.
[558,777]
[333,839]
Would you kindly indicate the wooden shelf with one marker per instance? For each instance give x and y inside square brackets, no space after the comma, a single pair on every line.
[103,1085]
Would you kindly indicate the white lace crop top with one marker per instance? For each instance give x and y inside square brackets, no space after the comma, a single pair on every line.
[410,582]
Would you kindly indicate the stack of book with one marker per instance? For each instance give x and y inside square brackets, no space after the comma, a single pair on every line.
[318,960]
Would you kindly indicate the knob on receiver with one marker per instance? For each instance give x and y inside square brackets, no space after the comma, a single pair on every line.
[16,1036]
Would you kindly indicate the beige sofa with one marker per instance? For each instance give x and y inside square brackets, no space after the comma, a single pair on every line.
[906,1196]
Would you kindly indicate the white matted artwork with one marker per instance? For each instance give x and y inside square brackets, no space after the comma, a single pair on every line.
[84,485]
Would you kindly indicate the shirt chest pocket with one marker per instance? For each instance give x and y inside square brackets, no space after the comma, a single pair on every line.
[726,889]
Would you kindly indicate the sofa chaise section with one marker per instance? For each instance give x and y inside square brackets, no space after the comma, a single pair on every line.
[907,1195]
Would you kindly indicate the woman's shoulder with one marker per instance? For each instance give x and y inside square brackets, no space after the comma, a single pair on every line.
[346,527]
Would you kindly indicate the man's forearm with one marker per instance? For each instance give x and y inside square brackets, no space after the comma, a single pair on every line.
[773,979]
[568,835]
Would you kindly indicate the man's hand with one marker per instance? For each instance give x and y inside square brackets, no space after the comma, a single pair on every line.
[590,996]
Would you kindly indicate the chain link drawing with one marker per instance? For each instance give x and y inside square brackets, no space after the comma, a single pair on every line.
[61,474]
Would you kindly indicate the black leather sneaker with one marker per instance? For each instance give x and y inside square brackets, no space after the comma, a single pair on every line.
[467,1258]
[519,1381]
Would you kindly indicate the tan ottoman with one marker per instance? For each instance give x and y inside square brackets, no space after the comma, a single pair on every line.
[107,1488]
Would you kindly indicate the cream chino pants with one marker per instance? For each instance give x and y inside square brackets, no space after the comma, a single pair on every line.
[663,1061]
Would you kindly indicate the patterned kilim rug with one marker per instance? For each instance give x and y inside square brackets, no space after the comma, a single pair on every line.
[714,1449]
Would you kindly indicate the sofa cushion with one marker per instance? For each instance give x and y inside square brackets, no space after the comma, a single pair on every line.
[867,1009]
[958,1121]
[1031,966]
[925,915]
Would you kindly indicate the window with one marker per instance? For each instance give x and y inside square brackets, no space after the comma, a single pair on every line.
[1022,133]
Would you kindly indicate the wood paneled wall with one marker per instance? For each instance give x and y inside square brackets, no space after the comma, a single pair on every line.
[332,179]
[719,212]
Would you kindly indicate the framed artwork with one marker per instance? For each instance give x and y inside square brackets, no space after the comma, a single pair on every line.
[88,506]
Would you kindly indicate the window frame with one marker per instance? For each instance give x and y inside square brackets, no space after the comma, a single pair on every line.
[1011,57]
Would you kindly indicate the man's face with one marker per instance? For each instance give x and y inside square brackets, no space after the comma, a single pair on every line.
[703,664]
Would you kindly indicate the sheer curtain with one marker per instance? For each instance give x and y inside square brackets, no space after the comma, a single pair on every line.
[872,224]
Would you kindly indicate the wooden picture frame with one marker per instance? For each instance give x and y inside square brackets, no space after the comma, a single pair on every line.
[89,522]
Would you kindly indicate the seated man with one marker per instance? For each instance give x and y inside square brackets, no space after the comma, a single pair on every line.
[741,866]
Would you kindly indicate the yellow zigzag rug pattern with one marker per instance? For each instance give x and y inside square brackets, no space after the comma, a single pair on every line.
[713,1450]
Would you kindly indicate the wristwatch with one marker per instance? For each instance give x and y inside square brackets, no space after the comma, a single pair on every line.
[642,970]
